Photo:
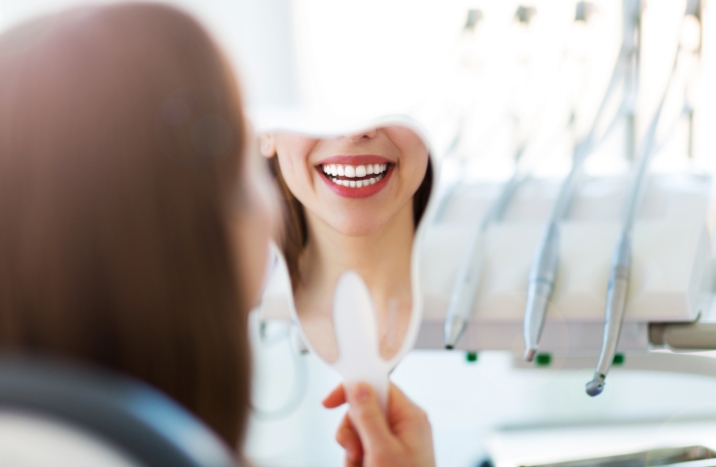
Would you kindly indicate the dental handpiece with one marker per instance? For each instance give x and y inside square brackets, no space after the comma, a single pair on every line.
[541,282]
[467,282]
[621,263]
[544,268]
[543,272]
[464,292]
[616,305]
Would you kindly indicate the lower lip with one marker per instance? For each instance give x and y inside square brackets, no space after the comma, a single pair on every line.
[362,192]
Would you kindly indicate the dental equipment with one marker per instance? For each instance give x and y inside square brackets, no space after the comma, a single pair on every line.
[467,281]
[544,266]
[468,276]
[621,262]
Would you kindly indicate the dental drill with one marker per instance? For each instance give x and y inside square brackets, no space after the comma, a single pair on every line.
[544,266]
[464,292]
[622,259]
[466,285]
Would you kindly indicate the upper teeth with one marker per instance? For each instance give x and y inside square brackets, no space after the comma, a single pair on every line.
[353,171]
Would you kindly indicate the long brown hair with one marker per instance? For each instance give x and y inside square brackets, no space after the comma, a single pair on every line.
[121,148]
[293,234]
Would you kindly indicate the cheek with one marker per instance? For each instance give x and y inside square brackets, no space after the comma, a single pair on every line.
[296,173]
[416,171]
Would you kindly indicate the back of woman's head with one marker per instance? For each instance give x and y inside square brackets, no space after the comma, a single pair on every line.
[121,141]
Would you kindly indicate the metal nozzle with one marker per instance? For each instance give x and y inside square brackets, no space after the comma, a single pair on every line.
[596,385]
[539,290]
[454,327]
[530,353]
[614,315]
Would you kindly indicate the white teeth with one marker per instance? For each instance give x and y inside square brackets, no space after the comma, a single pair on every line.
[354,170]
[334,170]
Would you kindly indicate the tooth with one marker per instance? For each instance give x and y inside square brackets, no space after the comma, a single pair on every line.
[360,171]
[340,171]
[330,169]
[383,167]
[369,169]
[376,168]
[350,171]
[359,184]
[352,183]
[372,181]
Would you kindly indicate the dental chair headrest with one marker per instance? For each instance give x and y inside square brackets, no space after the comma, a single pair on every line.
[48,405]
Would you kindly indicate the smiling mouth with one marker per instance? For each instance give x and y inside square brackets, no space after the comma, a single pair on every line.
[355,176]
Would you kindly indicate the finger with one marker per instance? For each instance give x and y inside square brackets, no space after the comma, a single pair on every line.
[349,440]
[368,419]
[336,398]
[404,416]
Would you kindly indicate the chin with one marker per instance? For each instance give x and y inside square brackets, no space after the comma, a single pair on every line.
[358,225]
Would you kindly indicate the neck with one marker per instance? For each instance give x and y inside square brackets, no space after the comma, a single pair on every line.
[381,258]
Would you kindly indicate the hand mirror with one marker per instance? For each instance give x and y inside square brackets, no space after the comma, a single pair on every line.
[353,201]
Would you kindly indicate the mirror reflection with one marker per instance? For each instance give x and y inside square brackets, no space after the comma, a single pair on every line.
[353,202]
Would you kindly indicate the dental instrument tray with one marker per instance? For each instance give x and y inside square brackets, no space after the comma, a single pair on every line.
[671,278]
[683,456]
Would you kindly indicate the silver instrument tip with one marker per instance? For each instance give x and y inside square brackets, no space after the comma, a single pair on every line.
[596,386]
[454,327]
[530,354]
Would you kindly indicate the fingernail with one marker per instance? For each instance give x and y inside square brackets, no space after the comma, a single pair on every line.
[361,393]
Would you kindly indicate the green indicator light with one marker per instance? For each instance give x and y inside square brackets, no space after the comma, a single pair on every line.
[618,359]
[543,359]
[471,357]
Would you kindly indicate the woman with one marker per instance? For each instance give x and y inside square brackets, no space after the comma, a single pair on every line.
[132,235]
[352,202]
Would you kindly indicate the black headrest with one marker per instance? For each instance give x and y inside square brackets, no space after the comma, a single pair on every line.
[126,413]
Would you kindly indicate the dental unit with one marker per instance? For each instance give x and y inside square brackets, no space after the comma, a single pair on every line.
[546,260]
[468,276]
[622,260]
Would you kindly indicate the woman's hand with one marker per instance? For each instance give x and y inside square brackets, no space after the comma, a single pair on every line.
[403,438]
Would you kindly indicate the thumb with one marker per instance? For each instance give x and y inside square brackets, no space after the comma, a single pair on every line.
[368,419]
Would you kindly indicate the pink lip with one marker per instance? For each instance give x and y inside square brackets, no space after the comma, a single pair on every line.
[356,160]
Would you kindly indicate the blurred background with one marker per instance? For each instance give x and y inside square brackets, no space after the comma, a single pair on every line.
[483,77]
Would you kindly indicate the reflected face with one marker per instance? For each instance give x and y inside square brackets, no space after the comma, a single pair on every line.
[354,183]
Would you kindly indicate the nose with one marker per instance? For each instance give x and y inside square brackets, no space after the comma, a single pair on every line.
[369,134]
